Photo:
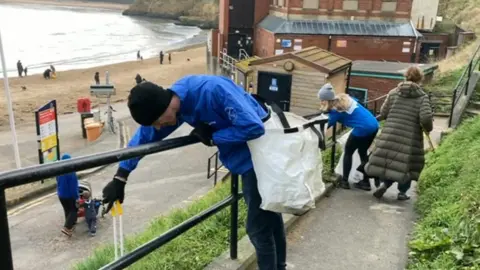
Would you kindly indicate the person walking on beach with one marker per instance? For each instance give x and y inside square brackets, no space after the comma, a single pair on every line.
[47,74]
[169,58]
[223,115]
[67,191]
[161,57]
[25,71]
[138,55]
[20,68]
[97,78]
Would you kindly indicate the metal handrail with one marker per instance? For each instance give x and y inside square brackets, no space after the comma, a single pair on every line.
[462,85]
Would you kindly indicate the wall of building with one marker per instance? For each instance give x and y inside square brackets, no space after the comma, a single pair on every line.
[374,48]
[424,14]
[263,43]
[339,81]
[300,42]
[261,10]
[398,11]
[378,87]
[351,47]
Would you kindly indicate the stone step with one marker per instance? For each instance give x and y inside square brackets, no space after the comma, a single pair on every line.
[472,112]
[475,105]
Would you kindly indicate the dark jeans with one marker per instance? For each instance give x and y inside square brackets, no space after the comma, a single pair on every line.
[70,211]
[402,188]
[92,224]
[264,228]
[354,143]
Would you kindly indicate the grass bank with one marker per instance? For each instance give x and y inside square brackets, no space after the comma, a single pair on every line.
[447,236]
[193,250]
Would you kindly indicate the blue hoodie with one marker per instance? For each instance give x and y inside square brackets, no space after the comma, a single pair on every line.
[67,184]
[356,117]
[234,115]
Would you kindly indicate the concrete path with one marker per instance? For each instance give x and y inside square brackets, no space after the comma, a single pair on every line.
[353,230]
[161,182]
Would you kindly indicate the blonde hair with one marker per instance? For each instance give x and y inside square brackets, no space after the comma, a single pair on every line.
[341,103]
[414,74]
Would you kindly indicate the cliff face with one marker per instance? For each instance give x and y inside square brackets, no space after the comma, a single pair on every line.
[201,13]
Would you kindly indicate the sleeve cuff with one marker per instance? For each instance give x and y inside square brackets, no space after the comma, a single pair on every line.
[123,173]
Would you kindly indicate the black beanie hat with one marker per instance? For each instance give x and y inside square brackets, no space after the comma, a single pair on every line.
[147,102]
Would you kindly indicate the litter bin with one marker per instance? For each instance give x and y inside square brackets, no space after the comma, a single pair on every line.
[84,116]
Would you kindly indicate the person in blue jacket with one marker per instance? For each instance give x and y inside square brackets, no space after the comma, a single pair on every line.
[67,191]
[346,110]
[223,115]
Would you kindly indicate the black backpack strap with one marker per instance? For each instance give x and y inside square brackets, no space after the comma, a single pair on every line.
[275,109]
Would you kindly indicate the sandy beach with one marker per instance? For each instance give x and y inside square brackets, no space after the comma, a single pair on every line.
[73,84]
[68,3]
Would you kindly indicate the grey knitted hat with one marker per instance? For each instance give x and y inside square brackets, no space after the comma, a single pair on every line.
[326,92]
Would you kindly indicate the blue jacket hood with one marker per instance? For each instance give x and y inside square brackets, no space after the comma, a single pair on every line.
[66,156]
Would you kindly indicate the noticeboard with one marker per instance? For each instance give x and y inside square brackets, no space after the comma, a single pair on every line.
[47,133]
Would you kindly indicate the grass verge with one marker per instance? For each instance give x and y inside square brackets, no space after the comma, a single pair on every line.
[193,250]
[447,236]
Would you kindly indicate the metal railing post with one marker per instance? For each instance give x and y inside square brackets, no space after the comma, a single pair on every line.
[334,149]
[234,218]
[468,77]
[452,108]
[6,259]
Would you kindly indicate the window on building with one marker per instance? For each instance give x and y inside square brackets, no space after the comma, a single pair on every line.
[361,94]
[350,4]
[311,4]
[389,5]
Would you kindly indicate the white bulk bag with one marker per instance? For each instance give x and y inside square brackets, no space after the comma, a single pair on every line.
[355,176]
[288,163]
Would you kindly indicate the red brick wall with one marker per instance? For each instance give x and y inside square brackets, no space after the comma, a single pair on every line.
[264,43]
[261,10]
[373,48]
[404,6]
[363,5]
[307,41]
[377,87]
[295,3]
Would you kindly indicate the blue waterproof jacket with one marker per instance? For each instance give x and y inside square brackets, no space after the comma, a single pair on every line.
[356,117]
[234,115]
[67,184]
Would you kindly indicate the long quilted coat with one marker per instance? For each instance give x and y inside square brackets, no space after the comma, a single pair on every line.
[398,154]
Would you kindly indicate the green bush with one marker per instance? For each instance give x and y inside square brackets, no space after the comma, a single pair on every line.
[447,236]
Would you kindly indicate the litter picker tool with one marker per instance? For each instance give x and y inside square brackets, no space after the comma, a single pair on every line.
[117,213]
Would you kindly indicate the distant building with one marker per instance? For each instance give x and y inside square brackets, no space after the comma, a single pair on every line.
[356,29]
[424,14]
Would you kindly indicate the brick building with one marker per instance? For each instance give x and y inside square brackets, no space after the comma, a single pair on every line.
[356,29]
[370,80]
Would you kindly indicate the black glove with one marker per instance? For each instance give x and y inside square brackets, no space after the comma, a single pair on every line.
[204,133]
[115,189]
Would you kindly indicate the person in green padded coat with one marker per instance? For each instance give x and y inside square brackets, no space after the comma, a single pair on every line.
[398,155]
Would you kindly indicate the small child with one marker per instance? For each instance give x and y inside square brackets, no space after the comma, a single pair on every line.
[90,213]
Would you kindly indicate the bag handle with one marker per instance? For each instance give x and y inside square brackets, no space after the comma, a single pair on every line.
[276,109]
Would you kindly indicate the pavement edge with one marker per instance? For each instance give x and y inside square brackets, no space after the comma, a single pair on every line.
[49,187]
[246,253]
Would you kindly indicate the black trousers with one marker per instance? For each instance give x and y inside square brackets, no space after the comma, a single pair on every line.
[356,143]
[70,211]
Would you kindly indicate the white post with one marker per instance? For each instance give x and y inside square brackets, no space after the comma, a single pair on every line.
[10,107]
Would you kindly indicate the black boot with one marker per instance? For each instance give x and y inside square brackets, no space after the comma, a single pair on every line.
[344,184]
[363,185]
[403,196]
[380,191]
